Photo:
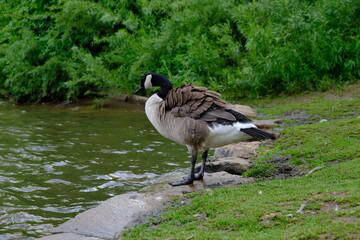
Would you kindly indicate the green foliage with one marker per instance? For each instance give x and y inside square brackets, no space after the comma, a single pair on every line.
[59,60]
[296,45]
[64,49]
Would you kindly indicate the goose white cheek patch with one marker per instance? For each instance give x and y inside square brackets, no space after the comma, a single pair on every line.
[148,83]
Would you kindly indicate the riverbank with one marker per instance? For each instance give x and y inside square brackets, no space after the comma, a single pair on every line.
[112,217]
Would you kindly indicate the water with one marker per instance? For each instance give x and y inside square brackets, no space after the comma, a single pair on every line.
[57,162]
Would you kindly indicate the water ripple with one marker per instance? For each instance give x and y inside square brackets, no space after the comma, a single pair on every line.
[55,163]
[28,189]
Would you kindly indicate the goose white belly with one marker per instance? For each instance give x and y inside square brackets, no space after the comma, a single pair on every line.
[161,123]
[221,135]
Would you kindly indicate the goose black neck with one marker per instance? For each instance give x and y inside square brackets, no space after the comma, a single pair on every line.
[164,91]
[163,83]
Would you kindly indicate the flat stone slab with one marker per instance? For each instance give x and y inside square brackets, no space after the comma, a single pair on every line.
[113,216]
[110,217]
[232,165]
[68,236]
[211,180]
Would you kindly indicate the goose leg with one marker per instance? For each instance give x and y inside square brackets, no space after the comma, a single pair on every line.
[190,179]
[200,174]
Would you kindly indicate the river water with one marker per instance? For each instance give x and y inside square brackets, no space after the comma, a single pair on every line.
[56,162]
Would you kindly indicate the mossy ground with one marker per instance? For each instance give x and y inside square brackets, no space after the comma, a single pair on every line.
[269,208]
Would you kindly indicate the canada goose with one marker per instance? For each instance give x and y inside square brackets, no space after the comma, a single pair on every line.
[195,117]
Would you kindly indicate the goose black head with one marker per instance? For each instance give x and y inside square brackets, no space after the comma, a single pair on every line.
[150,80]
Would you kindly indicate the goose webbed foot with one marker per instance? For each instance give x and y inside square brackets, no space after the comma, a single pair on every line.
[186,181]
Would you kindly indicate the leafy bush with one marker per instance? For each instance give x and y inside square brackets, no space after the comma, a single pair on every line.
[296,45]
[62,63]
[57,50]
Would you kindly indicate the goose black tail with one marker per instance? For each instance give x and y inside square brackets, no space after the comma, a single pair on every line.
[258,134]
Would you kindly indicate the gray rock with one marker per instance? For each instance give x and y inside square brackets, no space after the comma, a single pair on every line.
[110,217]
[162,187]
[244,150]
[113,216]
[232,165]
[232,158]
[68,236]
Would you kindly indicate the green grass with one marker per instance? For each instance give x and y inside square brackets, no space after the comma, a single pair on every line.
[311,145]
[336,103]
[267,209]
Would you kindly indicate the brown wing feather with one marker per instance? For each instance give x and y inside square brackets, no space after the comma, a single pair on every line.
[186,93]
[202,108]
[197,103]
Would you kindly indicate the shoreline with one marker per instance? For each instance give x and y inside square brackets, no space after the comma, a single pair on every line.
[113,216]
